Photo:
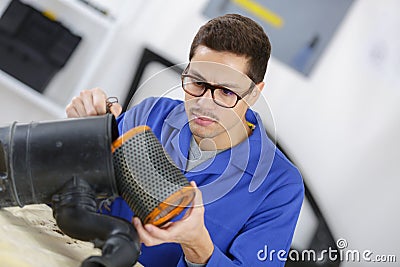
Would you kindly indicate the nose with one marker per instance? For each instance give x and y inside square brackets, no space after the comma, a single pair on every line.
[207,93]
[206,100]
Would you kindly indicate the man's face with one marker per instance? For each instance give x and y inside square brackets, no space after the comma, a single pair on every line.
[208,120]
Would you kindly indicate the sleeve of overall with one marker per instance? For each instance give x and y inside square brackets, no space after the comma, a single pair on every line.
[266,237]
[137,115]
[151,111]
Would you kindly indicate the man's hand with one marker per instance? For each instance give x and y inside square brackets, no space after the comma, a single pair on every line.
[190,232]
[91,103]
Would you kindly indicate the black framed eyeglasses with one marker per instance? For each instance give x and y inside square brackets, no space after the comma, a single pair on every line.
[222,96]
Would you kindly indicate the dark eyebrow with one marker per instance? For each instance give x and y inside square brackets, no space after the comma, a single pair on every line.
[228,85]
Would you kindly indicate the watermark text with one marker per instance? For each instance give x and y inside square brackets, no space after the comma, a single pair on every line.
[339,253]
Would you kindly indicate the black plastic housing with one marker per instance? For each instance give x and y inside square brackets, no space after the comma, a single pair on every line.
[38,158]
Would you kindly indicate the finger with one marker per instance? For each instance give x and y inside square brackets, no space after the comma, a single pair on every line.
[197,203]
[187,213]
[189,210]
[116,109]
[198,198]
[162,235]
[166,225]
[87,99]
[99,101]
[144,238]
[78,106]
[71,111]
[143,233]
[137,223]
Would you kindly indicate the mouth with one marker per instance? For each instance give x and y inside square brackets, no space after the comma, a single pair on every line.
[202,120]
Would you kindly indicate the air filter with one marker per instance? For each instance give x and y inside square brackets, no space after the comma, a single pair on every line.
[147,179]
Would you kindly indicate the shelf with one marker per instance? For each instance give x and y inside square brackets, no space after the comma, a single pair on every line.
[97,31]
[71,11]
[10,85]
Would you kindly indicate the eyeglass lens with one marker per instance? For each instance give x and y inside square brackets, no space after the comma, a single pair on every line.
[221,95]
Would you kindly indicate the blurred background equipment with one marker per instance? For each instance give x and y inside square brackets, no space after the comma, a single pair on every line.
[299,31]
[33,45]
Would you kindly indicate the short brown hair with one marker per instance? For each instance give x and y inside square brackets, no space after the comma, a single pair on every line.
[238,35]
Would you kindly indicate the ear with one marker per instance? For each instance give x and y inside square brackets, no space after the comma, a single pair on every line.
[255,94]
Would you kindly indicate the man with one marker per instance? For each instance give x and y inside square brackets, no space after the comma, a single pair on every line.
[249,195]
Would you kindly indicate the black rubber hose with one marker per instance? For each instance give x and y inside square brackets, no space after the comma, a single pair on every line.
[74,209]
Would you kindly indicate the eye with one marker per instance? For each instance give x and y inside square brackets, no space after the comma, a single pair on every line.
[198,83]
[227,92]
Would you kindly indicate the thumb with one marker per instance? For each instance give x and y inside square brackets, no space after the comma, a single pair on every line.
[198,198]
[116,109]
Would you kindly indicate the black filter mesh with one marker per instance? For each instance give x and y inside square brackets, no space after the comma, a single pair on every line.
[146,175]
